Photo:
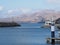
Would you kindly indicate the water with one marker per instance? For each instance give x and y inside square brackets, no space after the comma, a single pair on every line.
[27,34]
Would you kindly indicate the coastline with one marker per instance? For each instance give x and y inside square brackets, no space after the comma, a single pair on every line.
[9,24]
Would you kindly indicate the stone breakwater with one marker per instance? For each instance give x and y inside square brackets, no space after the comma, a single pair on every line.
[9,24]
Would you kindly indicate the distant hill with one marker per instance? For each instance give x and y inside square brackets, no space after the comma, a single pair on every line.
[37,16]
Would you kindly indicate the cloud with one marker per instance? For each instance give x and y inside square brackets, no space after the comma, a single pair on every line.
[10,11]
[53,1]
[19,11]
[1,8]
[25,10]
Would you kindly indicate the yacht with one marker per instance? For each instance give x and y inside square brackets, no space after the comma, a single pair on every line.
[47,24]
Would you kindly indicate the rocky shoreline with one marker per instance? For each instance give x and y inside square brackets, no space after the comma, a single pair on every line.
[9,24]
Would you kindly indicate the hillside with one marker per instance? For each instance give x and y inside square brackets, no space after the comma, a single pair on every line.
[37,16]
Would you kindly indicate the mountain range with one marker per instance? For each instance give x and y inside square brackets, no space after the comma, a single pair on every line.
[37,16]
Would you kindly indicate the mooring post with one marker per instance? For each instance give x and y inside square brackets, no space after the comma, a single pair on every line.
[52,32]
[59,33]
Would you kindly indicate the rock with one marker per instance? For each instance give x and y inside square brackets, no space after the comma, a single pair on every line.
[58,23]
[9,24]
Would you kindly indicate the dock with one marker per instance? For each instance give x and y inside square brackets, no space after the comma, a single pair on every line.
[57,40]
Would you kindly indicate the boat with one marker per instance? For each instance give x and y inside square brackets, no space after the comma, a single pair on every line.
[47,24]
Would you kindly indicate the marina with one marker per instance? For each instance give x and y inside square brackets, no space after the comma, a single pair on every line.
[27,34]
[29,22]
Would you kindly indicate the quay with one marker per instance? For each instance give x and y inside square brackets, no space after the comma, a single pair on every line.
[57,40]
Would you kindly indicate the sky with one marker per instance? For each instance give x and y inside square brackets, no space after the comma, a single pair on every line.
[15,7]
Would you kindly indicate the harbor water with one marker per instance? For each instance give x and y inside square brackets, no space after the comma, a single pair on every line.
[27,34]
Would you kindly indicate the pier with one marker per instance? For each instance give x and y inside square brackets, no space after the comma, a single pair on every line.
[57,40]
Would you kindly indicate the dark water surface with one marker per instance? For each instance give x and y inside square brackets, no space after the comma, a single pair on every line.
[27,34]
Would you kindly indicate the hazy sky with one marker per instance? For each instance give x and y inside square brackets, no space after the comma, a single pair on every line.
[11,7]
